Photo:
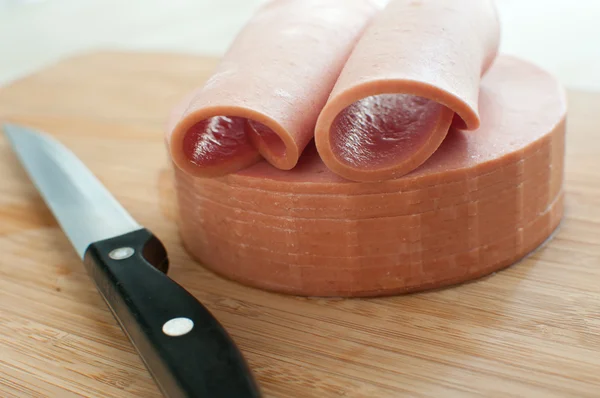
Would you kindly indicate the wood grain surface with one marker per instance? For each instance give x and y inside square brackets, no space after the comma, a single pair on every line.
[531,330]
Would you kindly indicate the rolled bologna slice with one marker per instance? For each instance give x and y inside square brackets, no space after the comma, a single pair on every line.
[265,95]
[485,199]
[415,69]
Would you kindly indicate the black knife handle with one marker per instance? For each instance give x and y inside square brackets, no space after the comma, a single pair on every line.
[204,362]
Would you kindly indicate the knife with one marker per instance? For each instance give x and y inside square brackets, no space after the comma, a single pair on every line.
[186,350]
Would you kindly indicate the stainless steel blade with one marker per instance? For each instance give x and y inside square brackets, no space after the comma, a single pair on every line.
[84,208]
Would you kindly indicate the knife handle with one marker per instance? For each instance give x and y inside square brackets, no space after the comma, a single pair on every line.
[186,350]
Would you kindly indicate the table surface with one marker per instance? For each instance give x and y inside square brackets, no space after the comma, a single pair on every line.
[562,36]
[532,330]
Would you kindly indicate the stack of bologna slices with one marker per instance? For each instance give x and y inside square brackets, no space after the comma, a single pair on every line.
[368,148]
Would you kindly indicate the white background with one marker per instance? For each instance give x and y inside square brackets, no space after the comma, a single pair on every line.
[562,36]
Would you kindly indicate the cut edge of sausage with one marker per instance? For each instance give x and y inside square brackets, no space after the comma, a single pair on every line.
[250,136]
[444,107]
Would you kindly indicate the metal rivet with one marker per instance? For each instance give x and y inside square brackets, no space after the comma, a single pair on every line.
[121,253]
[178,326]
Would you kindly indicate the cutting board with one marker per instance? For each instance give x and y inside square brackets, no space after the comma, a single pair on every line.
[530,330]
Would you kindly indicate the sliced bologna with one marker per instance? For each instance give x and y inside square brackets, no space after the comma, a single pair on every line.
[482,201]
[265,95]
[415,69]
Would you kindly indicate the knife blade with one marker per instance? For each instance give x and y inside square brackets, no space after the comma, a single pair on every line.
[184,347]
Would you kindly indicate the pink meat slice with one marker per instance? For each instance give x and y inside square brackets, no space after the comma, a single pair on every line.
[266,94]
[482,201]
[415,71]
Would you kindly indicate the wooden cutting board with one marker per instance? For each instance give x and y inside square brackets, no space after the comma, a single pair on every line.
[531,330]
